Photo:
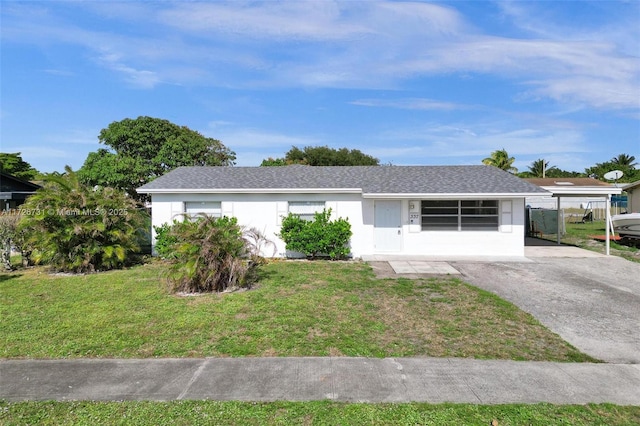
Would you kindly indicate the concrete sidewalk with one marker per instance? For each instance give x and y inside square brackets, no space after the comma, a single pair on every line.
[433,380]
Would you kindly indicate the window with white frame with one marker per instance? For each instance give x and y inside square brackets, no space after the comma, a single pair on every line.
[306,209]
[209,208]
[460,215]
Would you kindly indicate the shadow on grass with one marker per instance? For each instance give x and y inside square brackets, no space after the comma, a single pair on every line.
[263,273]
[8,276]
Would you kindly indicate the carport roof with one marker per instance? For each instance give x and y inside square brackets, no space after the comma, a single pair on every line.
[378,181]
[576,187]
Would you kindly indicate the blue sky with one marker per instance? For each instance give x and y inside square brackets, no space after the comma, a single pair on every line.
[424,83]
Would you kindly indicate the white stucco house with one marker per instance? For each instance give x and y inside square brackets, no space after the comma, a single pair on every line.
[393,210]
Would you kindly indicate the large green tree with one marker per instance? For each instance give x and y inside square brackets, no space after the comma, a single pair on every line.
[13,164]
[144,148]
[323,156]
[624,163]
[501,159]
[76,228]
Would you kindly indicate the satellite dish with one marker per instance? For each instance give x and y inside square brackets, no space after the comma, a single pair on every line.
[613,175]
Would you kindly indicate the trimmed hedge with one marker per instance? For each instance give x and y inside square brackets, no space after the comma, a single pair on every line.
[319,237]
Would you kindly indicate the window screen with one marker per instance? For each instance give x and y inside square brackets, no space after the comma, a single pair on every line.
[479,215]
[460,215]
[306,209]
[440,215]
[210,208]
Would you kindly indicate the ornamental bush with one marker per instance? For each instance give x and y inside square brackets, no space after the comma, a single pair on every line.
[317,237]
[165,240]
[211,254]
[75,228]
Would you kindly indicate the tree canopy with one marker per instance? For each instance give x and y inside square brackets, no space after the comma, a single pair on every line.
[539,168]
[144,148]
[323,156]
[500,159]
[623,162]
[13,164]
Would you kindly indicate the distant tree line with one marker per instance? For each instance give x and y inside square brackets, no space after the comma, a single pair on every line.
[541,167]
[323,156]
[139,150]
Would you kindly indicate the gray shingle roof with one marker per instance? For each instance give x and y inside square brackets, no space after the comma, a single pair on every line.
[369,179]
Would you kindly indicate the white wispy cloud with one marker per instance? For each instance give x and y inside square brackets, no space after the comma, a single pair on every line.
[74,137]
[271,20]
[254,138]
[410,103]
[144,79]
[470,142]
[374,45]
[60,73]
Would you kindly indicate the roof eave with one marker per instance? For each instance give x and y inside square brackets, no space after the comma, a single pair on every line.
[250,191]
[583,191]
[454,195]
[631,185]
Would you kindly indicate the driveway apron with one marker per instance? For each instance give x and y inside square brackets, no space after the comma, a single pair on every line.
[591,302]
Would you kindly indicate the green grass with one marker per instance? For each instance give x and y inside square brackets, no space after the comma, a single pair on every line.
[310,413]
[297,309]
[580,235]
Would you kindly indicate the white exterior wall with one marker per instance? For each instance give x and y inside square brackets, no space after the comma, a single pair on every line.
[633,200]
[508,241]
[264,212]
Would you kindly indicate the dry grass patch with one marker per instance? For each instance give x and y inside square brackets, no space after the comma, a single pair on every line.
[448,318]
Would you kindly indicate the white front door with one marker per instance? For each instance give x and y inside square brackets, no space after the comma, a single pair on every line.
[388,226]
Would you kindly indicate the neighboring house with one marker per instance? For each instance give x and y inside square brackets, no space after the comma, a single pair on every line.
[633,196]
[582,191]
[587,194]
[393,210]
[14,191]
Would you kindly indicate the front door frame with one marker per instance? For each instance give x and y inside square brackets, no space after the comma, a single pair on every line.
[387,226]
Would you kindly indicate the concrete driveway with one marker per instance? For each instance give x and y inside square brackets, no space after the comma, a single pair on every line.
[592,301]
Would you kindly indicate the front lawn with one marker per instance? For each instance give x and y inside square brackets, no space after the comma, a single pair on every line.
[297,309]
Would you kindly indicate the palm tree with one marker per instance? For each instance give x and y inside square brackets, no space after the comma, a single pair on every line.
[540,168]
[81,229]
[624,160]
[501,160]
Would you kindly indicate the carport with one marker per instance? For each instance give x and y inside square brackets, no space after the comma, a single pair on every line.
[580,187]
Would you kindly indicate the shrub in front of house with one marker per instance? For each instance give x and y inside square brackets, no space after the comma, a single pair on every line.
[75,228]
[320,237]
[209,254]
[165,240]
